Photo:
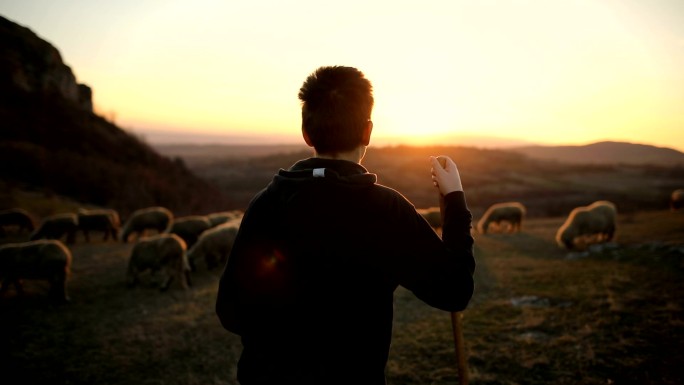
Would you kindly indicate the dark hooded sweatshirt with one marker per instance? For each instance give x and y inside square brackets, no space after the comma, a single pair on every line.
[309,282]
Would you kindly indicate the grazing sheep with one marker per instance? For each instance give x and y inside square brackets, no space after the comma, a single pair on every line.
[432,215]
[18,218]
[595,223]
[190,228]
[56,226]
[104,220]
[41,260]
[165,252]
[214,245]
[150,218]
[223,217]
[511,213]
[677,199]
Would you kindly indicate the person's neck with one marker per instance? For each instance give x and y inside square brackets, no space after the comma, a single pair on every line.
[356,155]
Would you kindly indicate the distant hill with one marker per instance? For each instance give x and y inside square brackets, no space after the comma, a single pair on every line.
[606,153]
[52,142]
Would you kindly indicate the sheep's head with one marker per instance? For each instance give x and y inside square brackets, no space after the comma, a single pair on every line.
[569,244]
[566,237]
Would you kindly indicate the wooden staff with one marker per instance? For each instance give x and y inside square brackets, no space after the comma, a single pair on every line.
[456,316]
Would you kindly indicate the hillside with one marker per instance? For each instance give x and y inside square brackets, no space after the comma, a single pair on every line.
[606,153]
[53,143]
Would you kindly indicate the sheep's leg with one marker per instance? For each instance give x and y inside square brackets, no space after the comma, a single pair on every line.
[58,288]
[187,278]
[165,285]
[166,280]
[183,279]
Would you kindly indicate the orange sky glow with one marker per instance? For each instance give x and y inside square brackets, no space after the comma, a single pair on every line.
[548,72]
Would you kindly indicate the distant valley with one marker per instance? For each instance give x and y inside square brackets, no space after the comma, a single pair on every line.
[600,153]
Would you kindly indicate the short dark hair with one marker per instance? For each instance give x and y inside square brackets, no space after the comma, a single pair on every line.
[337,103]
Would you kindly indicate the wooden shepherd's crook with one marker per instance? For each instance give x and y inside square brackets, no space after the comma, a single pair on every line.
[455,315]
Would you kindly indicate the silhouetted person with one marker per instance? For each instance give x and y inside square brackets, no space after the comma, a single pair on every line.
[310,280]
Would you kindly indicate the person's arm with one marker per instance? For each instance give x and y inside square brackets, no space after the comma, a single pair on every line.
[439,271]
[456,218]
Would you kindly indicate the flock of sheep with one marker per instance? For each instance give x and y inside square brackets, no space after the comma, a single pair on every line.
[172,249]
[595,223]
[586,224]
[177,243]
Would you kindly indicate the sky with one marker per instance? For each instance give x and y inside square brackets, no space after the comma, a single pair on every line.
[444,72]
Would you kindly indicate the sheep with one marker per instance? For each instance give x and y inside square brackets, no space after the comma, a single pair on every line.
[44,259]
[677,199]
[150,218]
[166,252]
[432,215]
[595,223]
[104,220]
[214,245]
[189,228]
[56,226]
[18,218]
[223,217]
[511,213]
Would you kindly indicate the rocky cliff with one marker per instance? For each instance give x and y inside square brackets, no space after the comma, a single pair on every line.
[52,142]
[31,64]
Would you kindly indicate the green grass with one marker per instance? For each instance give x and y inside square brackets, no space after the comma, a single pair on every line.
[613,317]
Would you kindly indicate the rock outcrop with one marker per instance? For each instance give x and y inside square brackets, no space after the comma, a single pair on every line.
[31,64]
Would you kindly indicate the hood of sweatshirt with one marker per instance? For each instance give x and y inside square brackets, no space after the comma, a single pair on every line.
[343,173]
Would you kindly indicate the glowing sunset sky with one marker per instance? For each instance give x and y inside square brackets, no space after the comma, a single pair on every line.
[550,72]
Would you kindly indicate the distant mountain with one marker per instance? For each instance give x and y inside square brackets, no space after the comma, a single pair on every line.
[52,142]
[605,153]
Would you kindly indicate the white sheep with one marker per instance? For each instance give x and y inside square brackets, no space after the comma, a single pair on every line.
[17,218]
[677,199]
[432,215]
[103,220]
[510,213]
[43,259]
[595,223]
[150,218]
[190,228]
[160,252]
[214,245]
[56,226]
[223,217]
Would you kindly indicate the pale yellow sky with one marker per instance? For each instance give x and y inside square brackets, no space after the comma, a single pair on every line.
[550,72]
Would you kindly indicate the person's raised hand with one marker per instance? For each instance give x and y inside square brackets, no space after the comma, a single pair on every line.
[445,174]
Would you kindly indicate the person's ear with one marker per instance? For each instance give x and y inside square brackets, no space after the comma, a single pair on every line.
[306,138]
[367,133]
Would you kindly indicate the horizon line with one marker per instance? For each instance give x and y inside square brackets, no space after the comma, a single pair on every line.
[179,138]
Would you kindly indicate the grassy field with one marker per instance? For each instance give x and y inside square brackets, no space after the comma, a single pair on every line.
[614,316]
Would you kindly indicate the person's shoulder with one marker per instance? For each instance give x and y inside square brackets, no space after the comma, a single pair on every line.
[389,195]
